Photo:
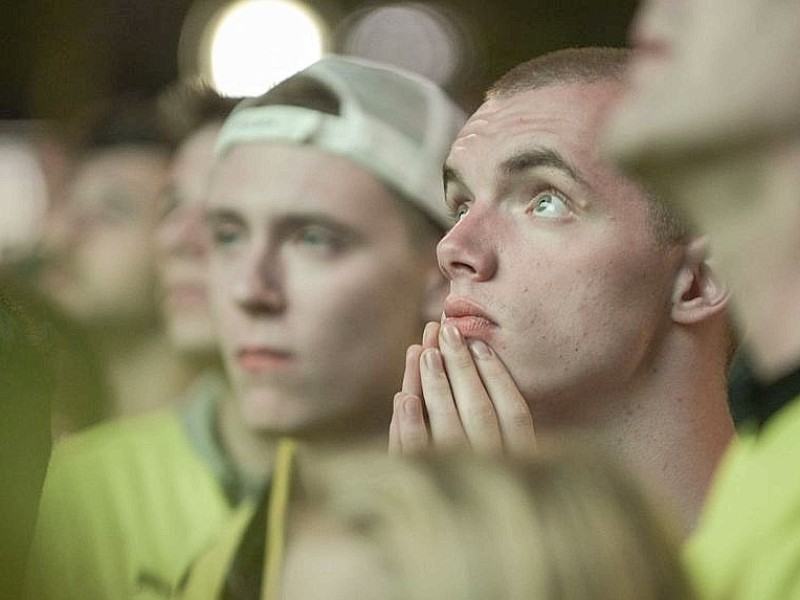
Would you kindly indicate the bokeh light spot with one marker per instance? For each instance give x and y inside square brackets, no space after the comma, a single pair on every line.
[254,44]
[410,35]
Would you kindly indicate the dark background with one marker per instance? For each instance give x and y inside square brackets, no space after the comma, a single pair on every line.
[58,56]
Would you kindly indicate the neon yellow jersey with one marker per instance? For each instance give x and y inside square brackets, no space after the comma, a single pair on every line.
[126,506]
[206,577]
[748,543]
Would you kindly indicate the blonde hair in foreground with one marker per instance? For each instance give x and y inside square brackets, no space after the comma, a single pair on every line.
[565,525]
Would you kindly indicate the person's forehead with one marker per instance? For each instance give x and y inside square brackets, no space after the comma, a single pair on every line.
[562,119]
[273,179]
[257,158]
[555,106]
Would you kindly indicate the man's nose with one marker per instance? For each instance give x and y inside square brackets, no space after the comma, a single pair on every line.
[259,288]
[468,250]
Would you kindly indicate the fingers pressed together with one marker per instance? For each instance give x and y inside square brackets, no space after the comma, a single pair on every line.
[457,393]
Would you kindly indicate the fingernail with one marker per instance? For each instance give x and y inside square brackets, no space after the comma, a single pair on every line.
[411,407]
[451,335]
[429,336]
[432,360]
[480,349]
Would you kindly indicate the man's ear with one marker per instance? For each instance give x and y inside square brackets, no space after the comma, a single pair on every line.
[436,289]
[698,294]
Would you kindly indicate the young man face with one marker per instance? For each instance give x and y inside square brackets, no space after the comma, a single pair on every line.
[182,245]
[101,241]
[553,261]
[317,287]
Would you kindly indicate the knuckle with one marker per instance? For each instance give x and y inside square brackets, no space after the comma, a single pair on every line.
[461,360]
[482,415]
[521,420]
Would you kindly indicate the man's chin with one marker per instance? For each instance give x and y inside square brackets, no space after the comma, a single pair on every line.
[276,418]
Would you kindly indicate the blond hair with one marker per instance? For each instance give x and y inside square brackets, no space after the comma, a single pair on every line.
[565,525]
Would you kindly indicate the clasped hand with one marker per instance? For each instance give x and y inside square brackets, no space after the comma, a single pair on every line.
[457,393]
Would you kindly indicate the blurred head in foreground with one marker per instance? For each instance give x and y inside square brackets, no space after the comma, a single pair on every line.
[565,525]
[708,76]
[711,121]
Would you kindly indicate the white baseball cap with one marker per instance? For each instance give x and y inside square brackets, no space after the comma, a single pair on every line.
[394,123]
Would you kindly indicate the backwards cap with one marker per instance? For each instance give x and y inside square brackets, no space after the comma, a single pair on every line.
[396,124]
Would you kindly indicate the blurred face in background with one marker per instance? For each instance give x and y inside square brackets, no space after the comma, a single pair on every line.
[99,244]
[317,286]
[182,244]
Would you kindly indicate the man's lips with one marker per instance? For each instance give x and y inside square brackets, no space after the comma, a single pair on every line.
[470,318]
[255,359]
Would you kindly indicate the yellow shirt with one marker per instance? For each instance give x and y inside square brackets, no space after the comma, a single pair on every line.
[125,507]
[747,546]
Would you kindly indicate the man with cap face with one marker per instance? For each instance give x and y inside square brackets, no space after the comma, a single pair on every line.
[727,154]
[324,218]
[310,252]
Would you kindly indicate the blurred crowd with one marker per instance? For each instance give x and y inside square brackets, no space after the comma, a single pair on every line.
[345,340]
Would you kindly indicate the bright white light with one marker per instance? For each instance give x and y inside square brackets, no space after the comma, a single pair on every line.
[257,43]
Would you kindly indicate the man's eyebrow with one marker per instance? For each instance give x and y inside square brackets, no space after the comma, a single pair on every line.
[286,222]
[541,157]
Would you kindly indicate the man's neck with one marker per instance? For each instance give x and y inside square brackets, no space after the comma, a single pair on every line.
[675,444]
[253,452]
[670,428]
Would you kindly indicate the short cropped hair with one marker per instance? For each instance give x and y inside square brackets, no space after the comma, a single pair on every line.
[586,66]
[571,65]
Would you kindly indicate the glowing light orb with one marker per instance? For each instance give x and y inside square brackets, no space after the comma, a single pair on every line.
[254,44]
[410,35]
